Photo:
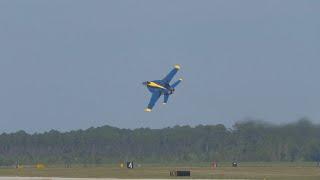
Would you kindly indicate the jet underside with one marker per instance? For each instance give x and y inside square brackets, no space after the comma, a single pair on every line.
[162,87]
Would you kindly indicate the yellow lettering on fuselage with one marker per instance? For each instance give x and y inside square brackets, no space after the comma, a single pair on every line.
[155,85]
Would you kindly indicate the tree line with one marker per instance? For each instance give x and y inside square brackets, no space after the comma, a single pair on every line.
[245,141]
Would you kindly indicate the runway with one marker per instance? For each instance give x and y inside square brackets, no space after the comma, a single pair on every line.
[60,178]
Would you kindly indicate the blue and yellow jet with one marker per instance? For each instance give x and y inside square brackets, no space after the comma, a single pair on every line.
[161,87]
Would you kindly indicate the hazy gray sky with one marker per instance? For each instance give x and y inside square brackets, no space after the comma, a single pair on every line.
[74,64]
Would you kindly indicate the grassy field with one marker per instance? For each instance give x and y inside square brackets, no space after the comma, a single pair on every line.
[292,171]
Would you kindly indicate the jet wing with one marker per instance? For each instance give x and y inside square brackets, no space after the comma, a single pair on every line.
[154,98]
[171,74]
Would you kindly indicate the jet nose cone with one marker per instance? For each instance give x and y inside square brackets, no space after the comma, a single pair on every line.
[145,83]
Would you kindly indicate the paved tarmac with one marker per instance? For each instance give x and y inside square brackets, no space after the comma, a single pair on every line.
[58,178]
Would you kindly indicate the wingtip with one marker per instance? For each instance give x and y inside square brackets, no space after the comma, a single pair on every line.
[177,66]
[147,110]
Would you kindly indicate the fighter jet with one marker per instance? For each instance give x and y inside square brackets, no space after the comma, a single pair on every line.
[161,87]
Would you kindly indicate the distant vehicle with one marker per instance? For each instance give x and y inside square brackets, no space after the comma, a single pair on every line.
[161,87]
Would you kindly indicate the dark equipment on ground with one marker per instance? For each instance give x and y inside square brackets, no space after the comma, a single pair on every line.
[180,173]
[234,164]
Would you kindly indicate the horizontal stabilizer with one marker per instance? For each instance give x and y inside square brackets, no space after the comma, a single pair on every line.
[166,98]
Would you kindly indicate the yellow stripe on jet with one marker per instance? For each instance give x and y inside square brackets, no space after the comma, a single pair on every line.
[155,85]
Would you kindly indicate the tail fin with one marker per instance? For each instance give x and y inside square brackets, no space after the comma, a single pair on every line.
[176,83]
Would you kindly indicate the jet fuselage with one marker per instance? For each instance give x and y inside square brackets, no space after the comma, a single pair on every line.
[159,86]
